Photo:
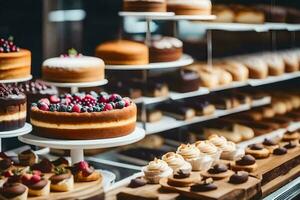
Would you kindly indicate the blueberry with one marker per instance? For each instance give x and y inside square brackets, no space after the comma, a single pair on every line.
[120,104]
[90,109]
[83,109]
[52,107]
[63,108]
[69,108]
[34,105]
[113,104]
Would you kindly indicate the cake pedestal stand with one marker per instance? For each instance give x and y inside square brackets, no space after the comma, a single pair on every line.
[74,86]
[27,128]
[17,80]
[76,147]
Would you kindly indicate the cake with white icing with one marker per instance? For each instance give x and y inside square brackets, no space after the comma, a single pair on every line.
[73,68]
[189,7]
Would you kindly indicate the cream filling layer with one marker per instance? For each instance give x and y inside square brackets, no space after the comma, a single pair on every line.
[11,117]
[94,125]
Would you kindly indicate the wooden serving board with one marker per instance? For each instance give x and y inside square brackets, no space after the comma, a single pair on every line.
[225,190]
[80,191]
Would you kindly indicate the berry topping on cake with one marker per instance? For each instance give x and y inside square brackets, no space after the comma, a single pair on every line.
[30,179]
[83,167]
[81,102]
[71,53]
[7,46]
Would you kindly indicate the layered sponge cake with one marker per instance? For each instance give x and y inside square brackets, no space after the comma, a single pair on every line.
[83,116]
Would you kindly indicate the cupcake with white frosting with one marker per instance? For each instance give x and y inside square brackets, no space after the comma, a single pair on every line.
[193,155]
[219,141]
[208,148]
[177,162]
[156,170]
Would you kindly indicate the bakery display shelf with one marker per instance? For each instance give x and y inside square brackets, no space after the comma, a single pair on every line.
[241,108]
[185,17]
[28,78]
[149,15]
[150,100]
[261,102]
[183,61]
[14,133]
[177,95]
[234,84]
[76,146]
[273,79]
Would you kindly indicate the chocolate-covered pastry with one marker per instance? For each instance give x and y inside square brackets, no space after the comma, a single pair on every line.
[180,174]
[137,182]
[290,145]
[5,164]
[184,81]
[258,151]
[83,172]
[218,168]
[61,161]
[269,142]
[280,151]
[13,191]
[45,166]
[125,88]
[178,110]
[256,147]
[239,177]
[155,88]
[246,163]
[246,160]
[204,186]
[202,107]
[62,180]
[28,158]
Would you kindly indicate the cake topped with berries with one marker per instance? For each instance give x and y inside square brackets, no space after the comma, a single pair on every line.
[12,108]
[83,116]
[15,62]
[72,68]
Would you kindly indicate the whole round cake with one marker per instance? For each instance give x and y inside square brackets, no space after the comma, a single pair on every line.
[123,52]
[14,62]
[83,116]
[189,7]
[12,108]
[145,5]
[73,68]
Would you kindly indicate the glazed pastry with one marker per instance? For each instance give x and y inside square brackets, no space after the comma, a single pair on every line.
[61,162]
[249,16]
[193,155]
[204,186]
[258,151]
[62,180]
[36,183]
[145,5]
[73,68]
[291,135]
[13,191]
[207,148]
[155,88]
[223,13]
[164,49]
[275,64]
[183,179]
[156,170]
[45,166]
[137,182]
[177,162]
[186,81]
[189,7]
[246,163]
[223,76]
[83,172]
[15,62]
[123,52]
[218,171]
[202,108]
[27,158]
[239,177]
[178,111]
[208,77]
[270,144]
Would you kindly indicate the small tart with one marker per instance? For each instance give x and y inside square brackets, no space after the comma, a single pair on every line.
[246,163]
[288,136]
[258,151]
[180,179]
[218,171]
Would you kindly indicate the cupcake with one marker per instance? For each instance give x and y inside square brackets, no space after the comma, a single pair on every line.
[193,155]
[218,141]
[177,162]
[207,148]
[231,152]
[156,170]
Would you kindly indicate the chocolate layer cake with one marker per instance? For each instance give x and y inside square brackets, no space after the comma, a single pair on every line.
[145,5]
[83,116]
[186,81]
[12,108]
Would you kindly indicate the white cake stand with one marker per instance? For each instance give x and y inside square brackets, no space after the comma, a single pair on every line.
[185,17]
[14,133]
[17,80]
[76,146]
[74,86]
[145,14]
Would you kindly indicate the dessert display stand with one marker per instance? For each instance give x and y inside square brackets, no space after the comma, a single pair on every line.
[17,80]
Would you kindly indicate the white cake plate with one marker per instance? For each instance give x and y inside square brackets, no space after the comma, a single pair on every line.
[74,86]
[17,80]
[145,14]
[27,128]
[183,61]
[76,146]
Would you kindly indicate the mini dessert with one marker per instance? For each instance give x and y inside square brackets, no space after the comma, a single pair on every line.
[223,76]
[183,179]
[123,52]
[249,16]
[273,13]
[15,62]
[60,162]
[83,116]
[186,81]
[165,49]
[36,183]
[204,186]
[290,145]
[45,166]
[178,111]
[239,177]
[83,172]
[202,108]
[222,103]
[218,171]
[231,152]
[258,69]
[291,135]
[155,88]
[152,115]
[13,191]
[246,163]
[193,155]
[27,158]
[12,108]
[270,144]
[73,68]
[189,7]
[223,13]
[176,162]
[291,61]
[156,170]
[258,151]
[6,164]
[62,180]
[279,151]
[145,5]
[207,148]
[208,77]
[137,182]
[275,64]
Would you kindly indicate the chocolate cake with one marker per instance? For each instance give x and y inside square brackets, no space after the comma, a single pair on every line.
[186,81]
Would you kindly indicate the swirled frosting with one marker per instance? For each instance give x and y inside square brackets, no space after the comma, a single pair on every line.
[230,146]
[218,141]
[188,151]
[176,162]
[157,165]
[206,147]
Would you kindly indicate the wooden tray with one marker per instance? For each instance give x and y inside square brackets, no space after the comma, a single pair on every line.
[225,191]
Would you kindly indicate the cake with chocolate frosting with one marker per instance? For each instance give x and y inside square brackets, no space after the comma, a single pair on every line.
[73,68]
[12,108]
[83,116]
[145,5]
[14,62]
